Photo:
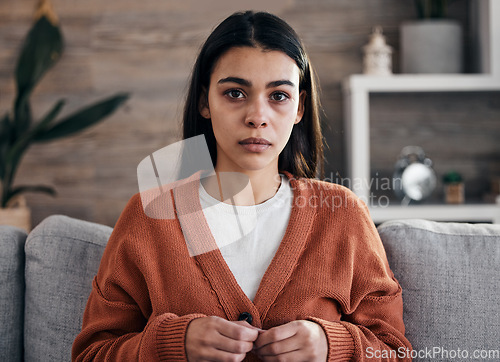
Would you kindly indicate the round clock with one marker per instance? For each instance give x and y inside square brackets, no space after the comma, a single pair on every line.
[414,177]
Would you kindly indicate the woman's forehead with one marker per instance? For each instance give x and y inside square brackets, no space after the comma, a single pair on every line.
[256,65]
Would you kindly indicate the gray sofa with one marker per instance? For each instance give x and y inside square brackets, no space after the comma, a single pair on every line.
[450,274]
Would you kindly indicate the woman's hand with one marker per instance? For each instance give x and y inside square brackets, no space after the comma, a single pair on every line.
[216,339]
[294,341]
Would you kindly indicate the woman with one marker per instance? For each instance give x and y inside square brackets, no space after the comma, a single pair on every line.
[308,282]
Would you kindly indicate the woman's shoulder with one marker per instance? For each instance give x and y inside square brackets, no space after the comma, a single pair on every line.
[140,224]
[325,197]
[133,208]
[131,217]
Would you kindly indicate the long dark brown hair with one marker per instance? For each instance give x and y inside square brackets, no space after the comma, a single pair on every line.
[303,154]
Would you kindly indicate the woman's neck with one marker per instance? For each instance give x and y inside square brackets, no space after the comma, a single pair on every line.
[264,186]
[243,189]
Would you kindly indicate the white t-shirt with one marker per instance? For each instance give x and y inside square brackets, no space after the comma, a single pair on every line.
[248,236]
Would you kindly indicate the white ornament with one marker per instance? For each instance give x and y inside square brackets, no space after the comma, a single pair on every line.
[377,55]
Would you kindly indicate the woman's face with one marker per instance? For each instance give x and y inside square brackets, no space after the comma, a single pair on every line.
[253,102]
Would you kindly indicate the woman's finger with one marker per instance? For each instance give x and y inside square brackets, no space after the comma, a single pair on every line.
[276,334]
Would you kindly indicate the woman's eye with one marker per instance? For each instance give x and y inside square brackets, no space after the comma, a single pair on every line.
[234,93]
[279,96]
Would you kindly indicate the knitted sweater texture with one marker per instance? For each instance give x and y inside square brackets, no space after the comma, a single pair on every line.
[330,268]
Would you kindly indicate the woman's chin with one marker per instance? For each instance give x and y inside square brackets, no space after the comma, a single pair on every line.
[249,162]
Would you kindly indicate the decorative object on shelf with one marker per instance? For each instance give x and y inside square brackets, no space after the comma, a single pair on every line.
[495,186]
[414,178]
[432,44]
[377,58]
[453,188]
[42,48]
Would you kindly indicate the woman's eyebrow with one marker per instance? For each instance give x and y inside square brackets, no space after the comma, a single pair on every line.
[236,80]
[247,83]
[277,83]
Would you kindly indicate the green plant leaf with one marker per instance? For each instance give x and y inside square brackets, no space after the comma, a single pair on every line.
[42,48]
[452,177]
[49,117]
[431,9]
[420,8]
[24,142]
[83,118]
[5,136]
[15,153]
[22,114]
[5,129]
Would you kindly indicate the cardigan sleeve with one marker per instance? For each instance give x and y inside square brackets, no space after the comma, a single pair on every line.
[118,323]
[117,331]
[371,327]
[367,334]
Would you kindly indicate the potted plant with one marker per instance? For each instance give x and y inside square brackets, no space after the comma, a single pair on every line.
[454,192]
[432,44]
[41,49]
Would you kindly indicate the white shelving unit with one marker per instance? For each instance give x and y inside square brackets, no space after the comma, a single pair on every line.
[458,213]
[357,89]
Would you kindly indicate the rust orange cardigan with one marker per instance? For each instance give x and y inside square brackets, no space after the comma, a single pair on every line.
[330,268]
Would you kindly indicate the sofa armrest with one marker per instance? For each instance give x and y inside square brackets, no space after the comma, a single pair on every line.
[11,292]
[62,257]
[449,273]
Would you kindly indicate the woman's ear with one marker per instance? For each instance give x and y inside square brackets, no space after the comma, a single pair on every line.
[203,104]
[301,109]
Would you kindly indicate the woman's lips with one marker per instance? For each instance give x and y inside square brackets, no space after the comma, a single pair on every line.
[255,144]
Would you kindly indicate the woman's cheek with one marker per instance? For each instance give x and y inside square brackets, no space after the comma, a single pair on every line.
[287,108]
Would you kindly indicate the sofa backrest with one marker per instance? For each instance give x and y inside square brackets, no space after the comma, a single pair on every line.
[62,257]
[450,275]
[11,292]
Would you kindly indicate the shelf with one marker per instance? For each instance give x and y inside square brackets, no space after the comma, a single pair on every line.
[459,213]
[357,89]
[421,83]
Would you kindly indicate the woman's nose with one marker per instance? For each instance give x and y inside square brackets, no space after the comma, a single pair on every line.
[257,114]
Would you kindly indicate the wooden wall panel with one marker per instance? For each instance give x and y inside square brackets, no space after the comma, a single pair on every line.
[148,48]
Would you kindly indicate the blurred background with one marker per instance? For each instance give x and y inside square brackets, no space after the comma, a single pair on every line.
[148,47]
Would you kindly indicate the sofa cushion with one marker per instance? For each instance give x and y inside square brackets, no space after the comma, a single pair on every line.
[449,273]
[62,257]
[11,292]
